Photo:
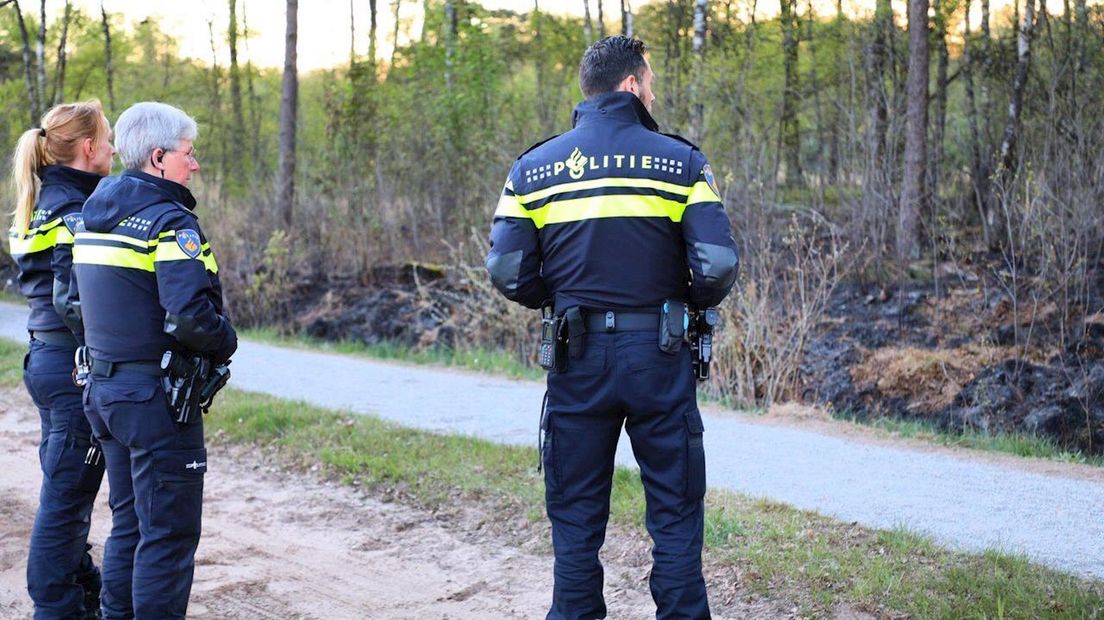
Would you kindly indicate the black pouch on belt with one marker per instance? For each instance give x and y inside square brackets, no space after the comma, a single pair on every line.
[576,332]
[672,327]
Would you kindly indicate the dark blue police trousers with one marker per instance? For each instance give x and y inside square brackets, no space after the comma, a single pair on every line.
[155,471]
[58,565]
[623,378]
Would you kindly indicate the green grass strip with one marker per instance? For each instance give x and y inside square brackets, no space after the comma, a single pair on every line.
[11,363]
[495,361]
[780,551]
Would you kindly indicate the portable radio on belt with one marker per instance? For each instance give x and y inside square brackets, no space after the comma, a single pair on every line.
[549,355]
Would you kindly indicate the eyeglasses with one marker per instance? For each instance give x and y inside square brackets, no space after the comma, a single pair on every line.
[189,155]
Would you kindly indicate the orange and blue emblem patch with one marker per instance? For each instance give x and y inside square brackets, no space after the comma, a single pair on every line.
[188,240]
[707,172]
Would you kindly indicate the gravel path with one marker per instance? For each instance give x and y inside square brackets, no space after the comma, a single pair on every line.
[960,502]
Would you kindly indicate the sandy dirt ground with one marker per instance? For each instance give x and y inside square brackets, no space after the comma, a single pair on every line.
[279,544]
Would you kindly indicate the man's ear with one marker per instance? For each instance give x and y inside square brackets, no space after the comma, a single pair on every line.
[88,147]
[630,85]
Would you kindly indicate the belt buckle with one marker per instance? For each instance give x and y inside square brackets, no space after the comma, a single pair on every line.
[611,321]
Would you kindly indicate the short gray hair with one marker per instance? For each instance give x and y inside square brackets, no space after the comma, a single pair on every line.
[147,126]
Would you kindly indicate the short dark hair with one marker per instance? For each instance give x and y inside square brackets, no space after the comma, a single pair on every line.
[609,61]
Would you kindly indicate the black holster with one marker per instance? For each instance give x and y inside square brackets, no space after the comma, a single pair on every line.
[191,383]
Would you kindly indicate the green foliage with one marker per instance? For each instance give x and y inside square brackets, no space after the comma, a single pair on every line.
[11,363]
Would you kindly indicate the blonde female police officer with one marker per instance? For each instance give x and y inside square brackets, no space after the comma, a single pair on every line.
[55,168]
[148,283]
[609,222]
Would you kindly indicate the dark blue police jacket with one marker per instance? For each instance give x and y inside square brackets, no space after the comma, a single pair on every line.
[44,253]
[612,214]
[145,276]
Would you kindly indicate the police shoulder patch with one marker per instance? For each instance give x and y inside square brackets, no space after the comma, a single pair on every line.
[74,222]
[188,240]
[707,172]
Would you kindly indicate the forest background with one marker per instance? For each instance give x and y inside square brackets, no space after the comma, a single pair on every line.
[940,162]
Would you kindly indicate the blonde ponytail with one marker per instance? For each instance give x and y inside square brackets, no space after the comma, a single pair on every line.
[30,156]
[58,141]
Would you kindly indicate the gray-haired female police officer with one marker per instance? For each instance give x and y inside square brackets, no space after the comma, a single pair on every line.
[148,283]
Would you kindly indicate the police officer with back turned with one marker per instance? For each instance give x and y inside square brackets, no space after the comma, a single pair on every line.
[148,284]
[618,232]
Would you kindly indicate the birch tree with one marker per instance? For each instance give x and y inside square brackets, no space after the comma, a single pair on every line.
[697,107]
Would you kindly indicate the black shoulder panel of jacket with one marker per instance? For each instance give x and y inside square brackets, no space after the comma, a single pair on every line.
[531,148]
[683,140]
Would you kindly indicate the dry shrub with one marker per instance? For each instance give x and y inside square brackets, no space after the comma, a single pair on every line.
[784,292]
[263,295]
[797,411]
[488,317]
[929,378]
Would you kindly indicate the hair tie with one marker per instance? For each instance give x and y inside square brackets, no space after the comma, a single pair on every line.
[42,131]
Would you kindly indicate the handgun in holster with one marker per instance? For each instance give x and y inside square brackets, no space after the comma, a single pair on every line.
[191,383]
[702,324]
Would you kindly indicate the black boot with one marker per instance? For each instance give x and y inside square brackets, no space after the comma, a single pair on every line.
[88,577]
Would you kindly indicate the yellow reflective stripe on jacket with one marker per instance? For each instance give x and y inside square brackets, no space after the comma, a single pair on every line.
[607,206]
[170,250]
[702,192]
[111,256]
[92,236]
[510,206]
[39,238]
[671,188]
[141,255]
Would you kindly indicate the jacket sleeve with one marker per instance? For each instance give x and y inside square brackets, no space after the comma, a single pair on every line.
[710,249]
[65,298]
[182,259]
[514,262]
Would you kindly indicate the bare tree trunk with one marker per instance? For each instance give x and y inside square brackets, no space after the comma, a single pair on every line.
[789,136]
[59,71]
[588,28]
[373,31]
[289,105]
[878,64]
[251,97]
[450,40]
[939,130]
[109,69]
[352,33]
[979,170]
[544,107]
[395,6]
[236,148]
[814,86]
[40,57]
[916,135]
[1006,169]
[28,71]
[626,19]
[697,108]
[601,22]
[215,111]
